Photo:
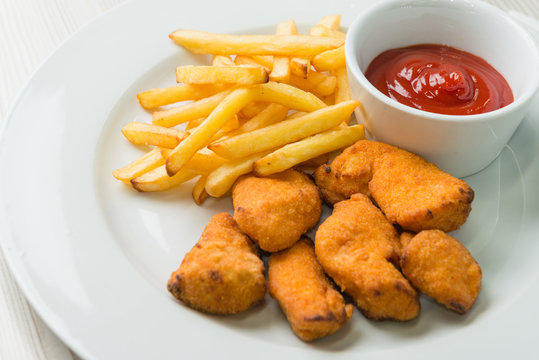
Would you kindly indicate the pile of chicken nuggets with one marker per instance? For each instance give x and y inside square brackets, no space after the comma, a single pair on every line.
[385,243]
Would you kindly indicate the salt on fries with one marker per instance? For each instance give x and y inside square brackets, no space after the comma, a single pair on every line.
[266,103]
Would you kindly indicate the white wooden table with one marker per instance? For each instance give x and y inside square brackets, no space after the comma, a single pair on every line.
[29,31]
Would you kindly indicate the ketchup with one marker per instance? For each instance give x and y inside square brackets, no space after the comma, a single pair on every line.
[439,79]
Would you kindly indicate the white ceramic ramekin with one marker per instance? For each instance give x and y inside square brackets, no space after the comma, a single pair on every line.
[459,144]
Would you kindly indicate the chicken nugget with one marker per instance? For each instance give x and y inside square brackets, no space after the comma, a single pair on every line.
[221,274]
[412,192]
[312,306]
[276,210]
[415,194]
[350,172]
[441,267]
[359,249]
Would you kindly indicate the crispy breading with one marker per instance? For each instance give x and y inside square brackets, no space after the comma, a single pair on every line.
[221,274]
[412,192]
[415,194]
[312,306]
[276,210]
[350,172]
[405,238]
[359,249]
[441,267]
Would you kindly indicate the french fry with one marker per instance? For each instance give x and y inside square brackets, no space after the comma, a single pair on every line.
[311,147]
[201,42]
[313,84]
[329,100]
[300,67]
[320,30]
[271,114]
[191,124]
[330,60]
[230,125]
[281,65]
[242,75]
[296,115]
[158,179]
[148,162]
[264,60]
[191,111]
[286,95]
[199,192]
[201,137]
[283,132]
[140,133]
[153,98]
[332,22]
[222,60]
[252,109]
[247,60]
[342,93]
[221,180]
[204,161]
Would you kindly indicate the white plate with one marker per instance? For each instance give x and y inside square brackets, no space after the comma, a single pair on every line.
[93,256]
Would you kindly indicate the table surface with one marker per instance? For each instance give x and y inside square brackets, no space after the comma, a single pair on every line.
[29,31]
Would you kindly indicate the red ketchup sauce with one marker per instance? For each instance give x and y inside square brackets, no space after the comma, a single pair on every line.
[439,79]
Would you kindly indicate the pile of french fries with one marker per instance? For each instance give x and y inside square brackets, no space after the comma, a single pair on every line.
[267,103]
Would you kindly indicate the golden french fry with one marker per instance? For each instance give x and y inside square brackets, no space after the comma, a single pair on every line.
[243,75]
[247,60]
[271,114]
[329,100]
[286,95]
[313,84]
[300,67]
[281,65]
[283,132]
[158,179]
[329,60]
[191,111]
[320,30]
[201,42]
[153,98]
[252,109]
[342,93]
[148,162]
[191,124]
[264,60]
[203,134]
[332,22]
[199,192]
[221,180]
[140,133]
[297,114]
[311,147]
[204,161]
[222,60]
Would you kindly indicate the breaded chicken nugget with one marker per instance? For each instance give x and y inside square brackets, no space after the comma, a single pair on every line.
[441,267]
[359,249]
[415,194]
[222,273]
[405,238]
[350,172]
[312,306]
[276,210]
[412,192]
